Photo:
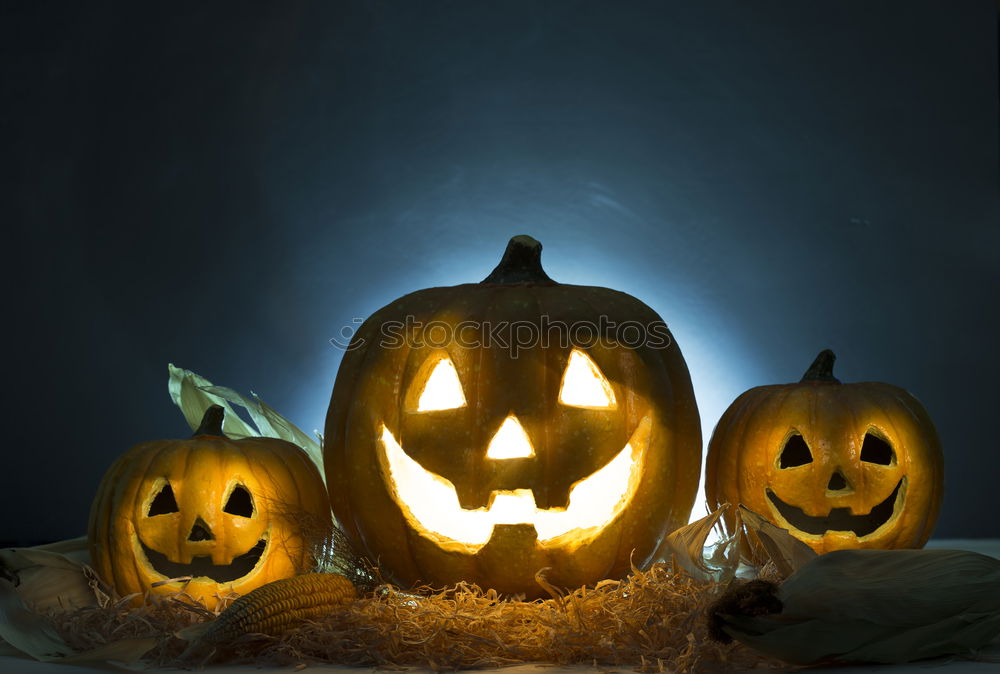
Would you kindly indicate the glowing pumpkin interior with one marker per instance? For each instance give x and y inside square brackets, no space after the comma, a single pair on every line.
[464,460]
[431,502]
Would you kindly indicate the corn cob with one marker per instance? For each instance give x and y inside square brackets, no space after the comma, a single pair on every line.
[279,605]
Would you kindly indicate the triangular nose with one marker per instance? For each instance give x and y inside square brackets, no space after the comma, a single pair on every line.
[510,441]
[200,531]
[837,481]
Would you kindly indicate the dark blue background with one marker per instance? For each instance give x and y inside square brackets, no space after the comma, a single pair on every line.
[225,186]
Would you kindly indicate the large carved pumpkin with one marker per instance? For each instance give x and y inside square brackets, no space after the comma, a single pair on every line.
[838,465]
[454,454]
[218,515]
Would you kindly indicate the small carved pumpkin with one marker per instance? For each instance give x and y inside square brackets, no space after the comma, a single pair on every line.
[217,514]
[837,465]
[452,456]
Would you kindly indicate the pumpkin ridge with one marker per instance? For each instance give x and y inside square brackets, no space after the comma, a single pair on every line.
[439,309]
[593,310]
[741,416]
[121,483]
[550,408]
[398,393]
[856,423]
[875,400]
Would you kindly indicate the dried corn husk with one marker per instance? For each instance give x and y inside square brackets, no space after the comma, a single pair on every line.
[686,549]
[785,551]
[50,576]
[719,562]
[35,582]
[880,606]
[194,394]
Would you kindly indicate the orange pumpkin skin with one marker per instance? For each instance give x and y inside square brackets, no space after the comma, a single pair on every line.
[838,465]
[372,404]
[229,540]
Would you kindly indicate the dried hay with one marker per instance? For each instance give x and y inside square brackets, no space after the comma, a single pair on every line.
[654,621]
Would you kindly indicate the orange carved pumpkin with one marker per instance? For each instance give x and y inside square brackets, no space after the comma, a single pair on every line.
[218,515]
[450,457]
[838,465]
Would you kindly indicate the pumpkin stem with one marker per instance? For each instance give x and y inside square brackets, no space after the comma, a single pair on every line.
[211,422]
[521,263]
[822,368]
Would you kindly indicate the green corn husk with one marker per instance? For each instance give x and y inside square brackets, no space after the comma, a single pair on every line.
[886,606]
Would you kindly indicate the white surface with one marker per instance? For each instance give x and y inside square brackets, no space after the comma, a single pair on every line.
[10,664]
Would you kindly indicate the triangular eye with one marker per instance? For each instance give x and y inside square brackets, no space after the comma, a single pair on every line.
[239,502]
[443,389]
[795,453]
[876,450]
[583,385]
[164,502]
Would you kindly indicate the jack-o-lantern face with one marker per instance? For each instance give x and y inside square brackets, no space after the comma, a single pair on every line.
[837,465]
[207,515]
[451,462]
[564,495]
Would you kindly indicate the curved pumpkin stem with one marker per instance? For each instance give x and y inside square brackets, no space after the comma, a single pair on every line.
[211,422]
[822,368]
[521,263]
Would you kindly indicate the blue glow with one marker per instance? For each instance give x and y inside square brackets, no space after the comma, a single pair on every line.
[578,249]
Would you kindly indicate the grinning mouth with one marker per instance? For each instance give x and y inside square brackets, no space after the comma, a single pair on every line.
[840,519]
[431,500]
[202,566]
